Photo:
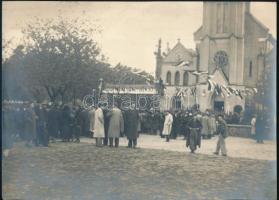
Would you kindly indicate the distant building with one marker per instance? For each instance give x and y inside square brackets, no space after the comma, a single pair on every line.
[231,45]
[144,97]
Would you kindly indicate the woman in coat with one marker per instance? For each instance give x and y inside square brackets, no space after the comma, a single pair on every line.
[99,126]
[116,126]
[167,126]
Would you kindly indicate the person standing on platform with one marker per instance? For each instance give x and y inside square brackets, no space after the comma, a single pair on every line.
[131,121]
[223,133]
[167,126]
[99,126]
[116,125]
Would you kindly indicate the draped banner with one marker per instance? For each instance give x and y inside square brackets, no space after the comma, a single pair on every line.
[228,90]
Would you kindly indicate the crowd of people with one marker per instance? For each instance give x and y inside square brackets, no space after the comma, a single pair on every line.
[39,124]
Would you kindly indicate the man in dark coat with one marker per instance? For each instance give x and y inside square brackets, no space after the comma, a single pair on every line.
[222,131]
[19,122]
[30,125]
[106,121]
[53,122]
[194,136]
[77,123]
[260,128]
[41,122]
[65,121]
[131,122]
[85,123]
[160,119]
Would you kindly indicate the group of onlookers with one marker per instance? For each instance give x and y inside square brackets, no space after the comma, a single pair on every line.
[38,124]
[199,126]
[108,125]
[153,122]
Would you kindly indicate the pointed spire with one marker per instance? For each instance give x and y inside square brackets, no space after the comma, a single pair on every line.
[178,40]
[168,47]
[159,52]
[159,46]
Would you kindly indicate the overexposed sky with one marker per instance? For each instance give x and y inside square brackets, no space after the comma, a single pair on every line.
[130,29]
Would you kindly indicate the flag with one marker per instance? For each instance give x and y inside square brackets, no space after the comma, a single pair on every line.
[218,89]
[193,91]
[183,63]
[211,85]
[224,90]
[239,94]
[228,92]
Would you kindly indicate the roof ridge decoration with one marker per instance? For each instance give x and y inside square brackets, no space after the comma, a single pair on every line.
[171,55]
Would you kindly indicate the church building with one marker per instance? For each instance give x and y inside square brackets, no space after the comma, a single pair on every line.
[231,50]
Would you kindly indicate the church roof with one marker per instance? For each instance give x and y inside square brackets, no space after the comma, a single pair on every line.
[257,21]
[197,33]
[221,72]
[179,53]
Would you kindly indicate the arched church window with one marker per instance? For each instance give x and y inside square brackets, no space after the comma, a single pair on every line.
[168,81]
[250,69]
[177,78]
[221,59]
[186,79]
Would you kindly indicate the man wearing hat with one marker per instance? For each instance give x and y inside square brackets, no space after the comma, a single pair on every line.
[222,132]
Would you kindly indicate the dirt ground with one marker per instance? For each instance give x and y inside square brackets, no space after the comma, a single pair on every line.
[237,147]
[83,171]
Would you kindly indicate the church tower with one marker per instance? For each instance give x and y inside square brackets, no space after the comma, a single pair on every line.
[221,39]
[232,46]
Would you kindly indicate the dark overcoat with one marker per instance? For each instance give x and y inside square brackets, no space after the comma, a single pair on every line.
[131,121]
[30,124]
[194,134]
[53,122]
[260,128]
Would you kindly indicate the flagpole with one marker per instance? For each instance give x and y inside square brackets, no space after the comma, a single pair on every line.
[188,99]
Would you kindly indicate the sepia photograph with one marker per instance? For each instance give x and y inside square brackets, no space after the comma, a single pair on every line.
[130,100]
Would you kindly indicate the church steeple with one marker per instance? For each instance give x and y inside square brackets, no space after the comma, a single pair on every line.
[159,59]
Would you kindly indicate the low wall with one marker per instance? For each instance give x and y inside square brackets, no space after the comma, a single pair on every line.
[239,130]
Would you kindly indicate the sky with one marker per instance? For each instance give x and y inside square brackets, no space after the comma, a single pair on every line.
[130,30]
